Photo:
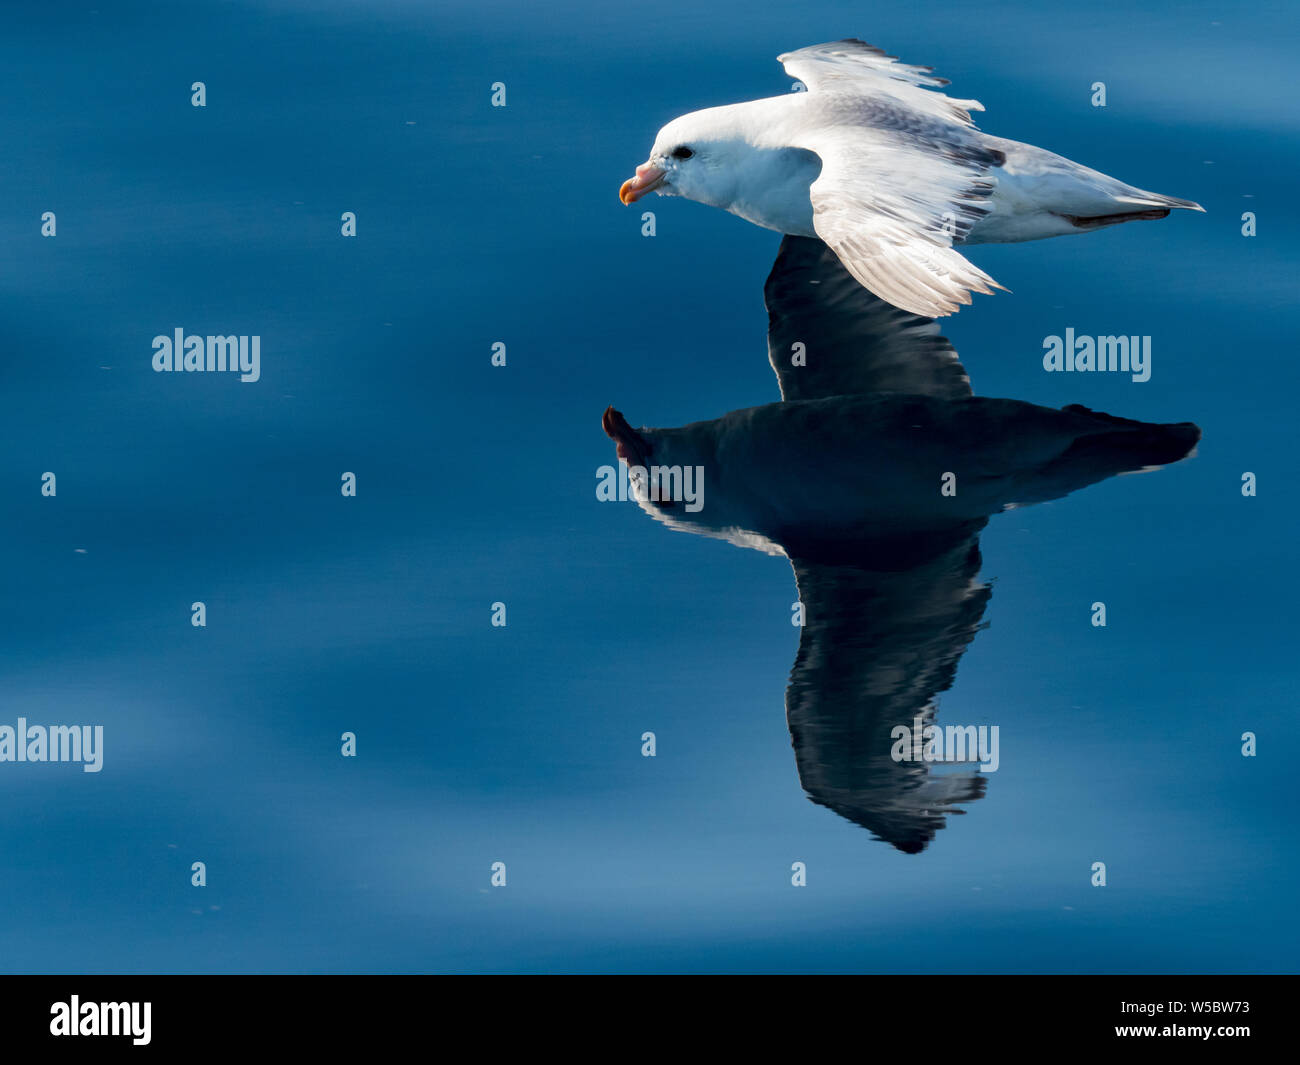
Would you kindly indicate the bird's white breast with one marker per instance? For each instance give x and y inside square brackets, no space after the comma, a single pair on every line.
[773,189]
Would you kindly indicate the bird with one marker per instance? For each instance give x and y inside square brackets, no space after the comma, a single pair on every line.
[843,478]
[887,171]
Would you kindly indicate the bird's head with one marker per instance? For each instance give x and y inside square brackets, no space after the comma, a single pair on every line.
[699,156]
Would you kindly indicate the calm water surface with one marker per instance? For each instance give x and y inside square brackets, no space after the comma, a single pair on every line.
[477,485]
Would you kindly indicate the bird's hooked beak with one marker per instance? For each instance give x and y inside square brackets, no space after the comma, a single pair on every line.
[632,446]
[648,178]
[634,449]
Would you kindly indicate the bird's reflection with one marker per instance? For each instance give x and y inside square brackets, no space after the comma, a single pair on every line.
[874,475]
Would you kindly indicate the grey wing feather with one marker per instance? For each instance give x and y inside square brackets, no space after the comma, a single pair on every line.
[853,66]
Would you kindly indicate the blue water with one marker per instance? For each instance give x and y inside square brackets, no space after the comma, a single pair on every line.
[475,485]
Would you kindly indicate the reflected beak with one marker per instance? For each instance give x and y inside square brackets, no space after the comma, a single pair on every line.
[648,178]
[632,447]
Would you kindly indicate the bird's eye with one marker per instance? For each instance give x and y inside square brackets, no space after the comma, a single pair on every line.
[682,152]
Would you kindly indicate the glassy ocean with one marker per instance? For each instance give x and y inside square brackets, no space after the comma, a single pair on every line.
[477,484]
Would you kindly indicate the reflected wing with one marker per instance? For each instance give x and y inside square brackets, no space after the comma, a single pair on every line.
[828,336]
[876,648]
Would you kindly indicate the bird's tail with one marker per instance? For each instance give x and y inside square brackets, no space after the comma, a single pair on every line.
[1186,205]
[1146,205]
[1140,198]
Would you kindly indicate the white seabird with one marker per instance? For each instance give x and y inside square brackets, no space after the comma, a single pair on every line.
[887,172]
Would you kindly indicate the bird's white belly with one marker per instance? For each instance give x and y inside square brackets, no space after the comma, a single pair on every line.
[1018,212]
[775,193]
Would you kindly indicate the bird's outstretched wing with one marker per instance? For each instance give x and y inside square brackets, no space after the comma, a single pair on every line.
[877,646]
[891,205]
[853,66]
[905,175]
[829,336]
